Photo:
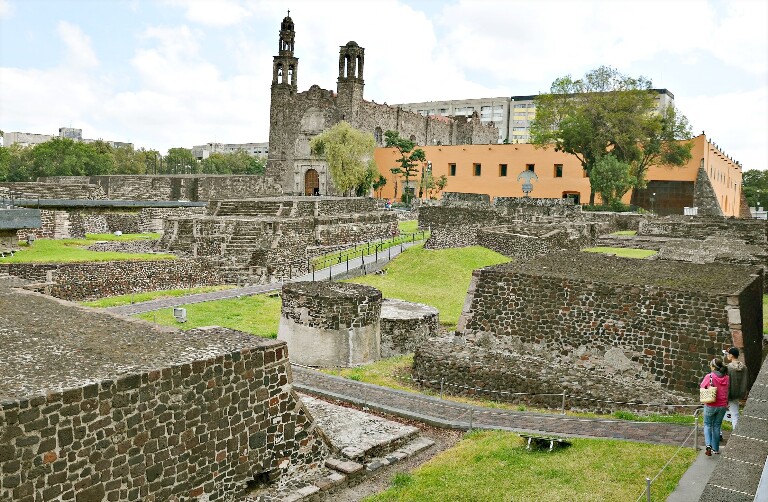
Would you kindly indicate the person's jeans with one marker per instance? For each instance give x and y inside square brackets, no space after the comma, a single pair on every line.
[733,411]
[713,419]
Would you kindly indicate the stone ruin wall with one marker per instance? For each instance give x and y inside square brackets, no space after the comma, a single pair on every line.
[67,190]
[621,340]
[92,280]
[191,431]
[527,241]
[76,223]
[405,325]
[196,187]
[699,228]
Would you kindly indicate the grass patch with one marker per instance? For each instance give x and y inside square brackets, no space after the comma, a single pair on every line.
[116,301]
[73,250]
[367,249]
[622,252]
[408,226]
[765,314]
[496,466]
[383,372]
[439,278]
[625,232]
[257,314]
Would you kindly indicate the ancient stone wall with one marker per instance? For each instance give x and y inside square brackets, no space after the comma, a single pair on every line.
[195,187]
[526,241]
[90,280]
[455,226]
[83,189]
[189,430]
[668,317]
[749,231]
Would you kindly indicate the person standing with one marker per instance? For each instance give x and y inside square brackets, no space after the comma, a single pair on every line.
[714,412]
[739,381]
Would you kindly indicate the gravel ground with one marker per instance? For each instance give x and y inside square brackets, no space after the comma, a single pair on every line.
[380,480]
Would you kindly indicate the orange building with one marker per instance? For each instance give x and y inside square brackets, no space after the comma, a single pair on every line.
[494,170]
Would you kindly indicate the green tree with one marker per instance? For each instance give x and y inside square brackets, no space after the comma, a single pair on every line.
[609,112]
[754,184]
[379,184]
[180,161]
[15,163]
[129,161]
[611,179]
[441,183]
[409,157]
[349,154]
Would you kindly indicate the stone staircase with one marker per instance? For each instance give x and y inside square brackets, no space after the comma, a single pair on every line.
[249,208]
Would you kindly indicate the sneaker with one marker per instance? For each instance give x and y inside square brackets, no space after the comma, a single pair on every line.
[721,436]
[708,451]
[716,452]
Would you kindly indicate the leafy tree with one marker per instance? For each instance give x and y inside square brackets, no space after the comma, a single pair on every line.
[754,183]
[441,183]
[409,157]
[129,161]
[152,160]
[349,154]
[610,112]
[180,161]
[379,184]
[611,179]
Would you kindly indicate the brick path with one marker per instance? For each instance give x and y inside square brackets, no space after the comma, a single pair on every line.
[335,271]
[444,413]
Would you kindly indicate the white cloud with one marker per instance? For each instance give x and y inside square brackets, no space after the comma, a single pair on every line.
[217,13]
[5,9]
[79,52]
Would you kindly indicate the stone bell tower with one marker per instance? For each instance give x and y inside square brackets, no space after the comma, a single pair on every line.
[350,84]
[285,65]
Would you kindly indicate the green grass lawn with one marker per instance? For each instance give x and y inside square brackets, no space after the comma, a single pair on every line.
[408,226]
[439,278]
[623,252]
[114,301]
[73,250]
[123,237]
[495,465]
[625,232]
[258,315]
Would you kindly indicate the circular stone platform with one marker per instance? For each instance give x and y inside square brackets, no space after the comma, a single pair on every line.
[330,323]
[404,325]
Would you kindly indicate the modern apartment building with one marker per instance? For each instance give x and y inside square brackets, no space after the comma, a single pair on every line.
[511,115]
[201,152]
[29,139]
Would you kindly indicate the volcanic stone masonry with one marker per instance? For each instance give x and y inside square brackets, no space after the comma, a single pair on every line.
[652,321]
[93,407]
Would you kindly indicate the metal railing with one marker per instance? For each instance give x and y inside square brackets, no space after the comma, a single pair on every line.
[365,249]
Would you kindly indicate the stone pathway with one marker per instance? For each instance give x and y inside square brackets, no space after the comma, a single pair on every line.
[363,263]
[442,413]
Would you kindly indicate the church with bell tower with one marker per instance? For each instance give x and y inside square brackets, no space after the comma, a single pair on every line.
[296,117]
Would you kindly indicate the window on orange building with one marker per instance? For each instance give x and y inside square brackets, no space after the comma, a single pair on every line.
[476,169]
[502,169]
[530,167]
[452,169]
[558,170]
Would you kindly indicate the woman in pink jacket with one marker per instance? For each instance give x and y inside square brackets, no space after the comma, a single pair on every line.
[714,412]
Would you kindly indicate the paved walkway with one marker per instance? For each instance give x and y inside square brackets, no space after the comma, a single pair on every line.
[435,411]
[360,264]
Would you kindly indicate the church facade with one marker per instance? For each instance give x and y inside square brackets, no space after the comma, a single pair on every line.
[296,117]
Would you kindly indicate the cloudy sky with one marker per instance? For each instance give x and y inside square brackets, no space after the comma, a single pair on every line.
[167,73]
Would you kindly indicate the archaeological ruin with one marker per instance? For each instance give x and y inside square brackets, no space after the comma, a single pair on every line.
[598,327]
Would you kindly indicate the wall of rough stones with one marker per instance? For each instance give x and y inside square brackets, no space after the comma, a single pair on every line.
[90,280]
[668,317]
[527,241]
[749,231]
[68,188]
[177,187]
[192,430]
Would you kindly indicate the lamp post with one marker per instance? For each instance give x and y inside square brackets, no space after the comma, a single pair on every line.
[653,201]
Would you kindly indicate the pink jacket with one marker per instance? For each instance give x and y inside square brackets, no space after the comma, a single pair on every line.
[721,382]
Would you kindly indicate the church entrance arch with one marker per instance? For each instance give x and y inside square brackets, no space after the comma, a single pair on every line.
[311,182]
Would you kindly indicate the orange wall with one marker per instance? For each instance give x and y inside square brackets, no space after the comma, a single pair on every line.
[724,174]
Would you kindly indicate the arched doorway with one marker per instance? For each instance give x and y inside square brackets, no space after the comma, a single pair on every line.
[311,182]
